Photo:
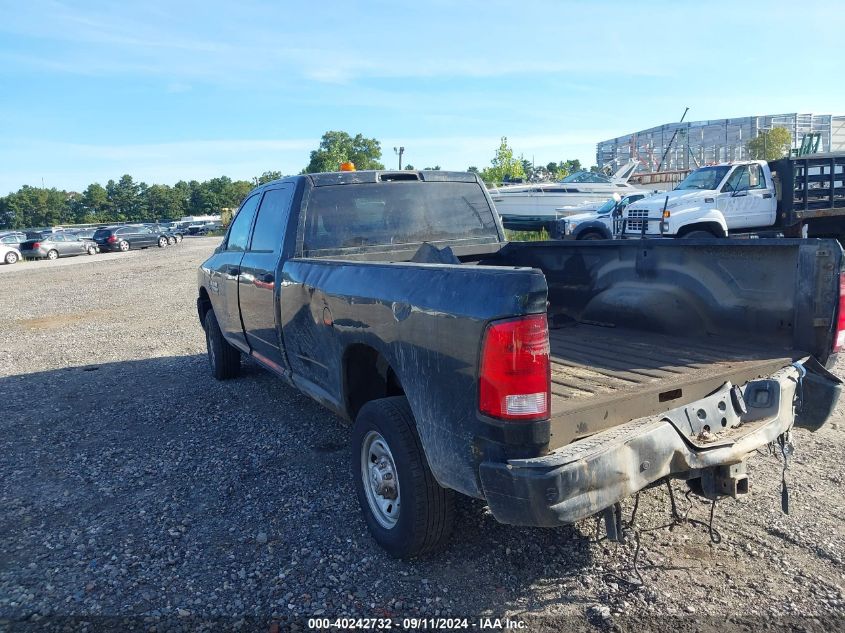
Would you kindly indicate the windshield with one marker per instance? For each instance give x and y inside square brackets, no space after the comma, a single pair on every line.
[586,176]
[705,178]
[400,213]
[607,207]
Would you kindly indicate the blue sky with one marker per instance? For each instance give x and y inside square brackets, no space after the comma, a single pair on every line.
[170,90]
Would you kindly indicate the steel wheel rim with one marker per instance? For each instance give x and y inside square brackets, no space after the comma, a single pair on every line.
[380,480]
[124,246]
[11,258]
[52,255]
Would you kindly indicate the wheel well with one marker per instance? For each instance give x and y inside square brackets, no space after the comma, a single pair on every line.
[711,227]
[590,231]
[367,376]
[203,305]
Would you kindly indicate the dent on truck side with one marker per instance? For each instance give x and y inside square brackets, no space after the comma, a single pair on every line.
[427,322]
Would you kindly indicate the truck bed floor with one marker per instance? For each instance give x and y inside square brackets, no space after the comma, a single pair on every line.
[603,376]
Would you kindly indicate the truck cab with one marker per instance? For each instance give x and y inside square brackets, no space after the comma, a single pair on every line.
[713,201]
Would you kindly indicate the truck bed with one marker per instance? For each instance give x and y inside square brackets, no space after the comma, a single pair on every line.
[603,376]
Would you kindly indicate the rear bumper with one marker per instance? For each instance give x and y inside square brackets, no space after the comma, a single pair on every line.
[592,474]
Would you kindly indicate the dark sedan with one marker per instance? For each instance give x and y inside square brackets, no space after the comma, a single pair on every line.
[123,238]
[55,245]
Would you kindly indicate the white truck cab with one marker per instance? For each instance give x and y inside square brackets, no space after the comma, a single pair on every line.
[713,201]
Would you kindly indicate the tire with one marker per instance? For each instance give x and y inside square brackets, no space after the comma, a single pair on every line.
[92,250]
[162,242]
[699,235]
[52,254]
[123,245]
[171,241]
[591,235]
[421,520]
[224,360]
[178,239]
[11,258]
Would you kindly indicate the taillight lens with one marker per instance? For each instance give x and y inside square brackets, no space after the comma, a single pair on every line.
[112,239]
[38,245]
[839,338]
[514,377]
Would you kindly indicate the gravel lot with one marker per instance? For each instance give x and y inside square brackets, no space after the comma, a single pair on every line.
[132,484]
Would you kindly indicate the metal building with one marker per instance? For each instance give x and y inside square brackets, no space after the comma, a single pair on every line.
[694,143]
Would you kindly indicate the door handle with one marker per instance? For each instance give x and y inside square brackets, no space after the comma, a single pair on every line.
[234,271]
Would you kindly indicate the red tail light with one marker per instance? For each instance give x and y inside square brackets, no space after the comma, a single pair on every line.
[514,381]
[38,245]
[112,239]
[839,338]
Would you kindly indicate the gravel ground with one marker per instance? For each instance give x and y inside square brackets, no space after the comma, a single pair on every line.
[132,484]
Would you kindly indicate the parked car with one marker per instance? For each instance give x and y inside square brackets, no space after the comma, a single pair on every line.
[55,245]
[174,236]
[9,253]
[13,238]
[124,238]
[551,379]
[598,224]
[86,233]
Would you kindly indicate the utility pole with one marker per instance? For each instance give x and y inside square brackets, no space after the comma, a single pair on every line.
[400,151]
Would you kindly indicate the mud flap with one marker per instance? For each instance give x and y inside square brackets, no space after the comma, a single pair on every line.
[818,394]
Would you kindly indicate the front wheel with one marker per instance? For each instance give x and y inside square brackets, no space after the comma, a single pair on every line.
[92,250]
[699,235]
[52,254]
[162,242]
[408,513]
[11,257]
[171,241]
[224,360]
[178,239]
[592,235]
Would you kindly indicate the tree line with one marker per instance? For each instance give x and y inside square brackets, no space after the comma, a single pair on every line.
[126,200]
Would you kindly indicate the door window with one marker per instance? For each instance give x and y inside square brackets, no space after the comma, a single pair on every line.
[756,179]
[738,180]
[269,226]
[238,236]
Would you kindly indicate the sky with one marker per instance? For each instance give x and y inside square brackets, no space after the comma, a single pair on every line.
[167,90]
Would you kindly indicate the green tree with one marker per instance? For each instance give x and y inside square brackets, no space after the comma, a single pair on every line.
[124,198]
[503,166]
[267,176]
[409,168]
[339,147]
[435,168]
[770,144]
[472,169]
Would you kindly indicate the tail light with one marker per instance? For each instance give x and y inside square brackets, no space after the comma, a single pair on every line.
[38,245]
[839,338]
[514,382]
[112,239]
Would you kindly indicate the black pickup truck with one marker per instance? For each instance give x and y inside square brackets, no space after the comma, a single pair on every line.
[552,379]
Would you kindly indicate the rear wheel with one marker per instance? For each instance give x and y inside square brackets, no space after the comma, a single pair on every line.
[92,250]
[123,246]
[178,238]
[171,240]
[11,257]
[52,254]
[224,360]
[408,513]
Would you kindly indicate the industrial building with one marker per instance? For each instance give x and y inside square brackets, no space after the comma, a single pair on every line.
[694,143]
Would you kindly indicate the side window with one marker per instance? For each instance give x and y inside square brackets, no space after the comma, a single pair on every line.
[756,178]
[738,180]
[272,216]
[238,236]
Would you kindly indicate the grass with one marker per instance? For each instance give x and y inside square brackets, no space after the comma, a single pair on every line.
[527,236]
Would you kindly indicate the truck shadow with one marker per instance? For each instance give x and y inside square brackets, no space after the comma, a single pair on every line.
[240,487]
